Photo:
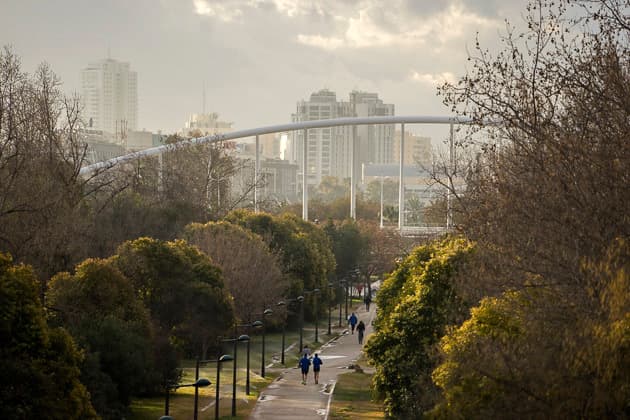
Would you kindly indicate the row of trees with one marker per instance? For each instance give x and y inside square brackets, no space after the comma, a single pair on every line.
[546,207]
[131,269]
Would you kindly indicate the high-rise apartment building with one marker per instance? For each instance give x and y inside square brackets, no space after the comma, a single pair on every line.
[329,150]
[110,97]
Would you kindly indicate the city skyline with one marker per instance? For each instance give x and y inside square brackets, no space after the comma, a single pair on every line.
[247,52]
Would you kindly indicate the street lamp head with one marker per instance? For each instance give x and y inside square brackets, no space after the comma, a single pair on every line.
[225,358]
[316,290]
[243,337]
[281,303]
[267,312]
[202,383]
[300,298]
[257,324]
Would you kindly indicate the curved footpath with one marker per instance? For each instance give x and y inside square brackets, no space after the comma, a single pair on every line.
[287,398]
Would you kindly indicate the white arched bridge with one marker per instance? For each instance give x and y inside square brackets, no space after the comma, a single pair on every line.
[305,126]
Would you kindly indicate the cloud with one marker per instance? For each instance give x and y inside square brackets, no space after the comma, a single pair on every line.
[221,11]
[378,25]
[433,79]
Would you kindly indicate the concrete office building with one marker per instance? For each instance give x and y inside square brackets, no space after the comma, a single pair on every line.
[109,95]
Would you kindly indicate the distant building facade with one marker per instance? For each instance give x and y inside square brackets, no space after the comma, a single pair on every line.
[418,149]
[329,150]
[205,125]
[109,95]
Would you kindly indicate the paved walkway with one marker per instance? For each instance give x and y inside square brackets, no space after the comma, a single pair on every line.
[287,398]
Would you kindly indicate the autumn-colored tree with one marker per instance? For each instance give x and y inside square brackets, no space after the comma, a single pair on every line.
[251,272]
[546,194]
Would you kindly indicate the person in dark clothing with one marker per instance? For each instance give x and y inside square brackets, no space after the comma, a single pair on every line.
[352,320]
[304,364]
[317,364]
[367,301]
[361,331]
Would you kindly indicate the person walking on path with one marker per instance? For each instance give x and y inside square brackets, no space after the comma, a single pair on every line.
[305,362]
[306,351]
[317,364]
[367,301]
[361,331]
[352,321]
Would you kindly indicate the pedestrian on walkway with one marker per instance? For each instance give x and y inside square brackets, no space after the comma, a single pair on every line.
[305,362]
[352,320]
[367,301]
[361,331]
[317,364]
[306,351]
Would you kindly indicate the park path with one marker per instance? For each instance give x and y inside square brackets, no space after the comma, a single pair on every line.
[286,397]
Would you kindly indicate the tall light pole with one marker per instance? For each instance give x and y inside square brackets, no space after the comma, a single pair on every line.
[220,360]
[342,284]
[284,324]
[301,300]
[224,358]
[248,326]
[308,292]
[199,383]
[262,366]
[330,288]
[235,341]
[381,202]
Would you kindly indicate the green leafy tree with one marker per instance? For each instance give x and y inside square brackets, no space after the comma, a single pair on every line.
[181,287]
[416,304]
[39,364]
[98,306]
[304,250]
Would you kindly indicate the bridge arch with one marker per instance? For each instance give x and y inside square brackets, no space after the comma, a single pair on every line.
[89,170]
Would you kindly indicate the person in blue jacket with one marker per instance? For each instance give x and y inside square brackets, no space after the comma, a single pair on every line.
[317,364]
[304,364]
[352,320]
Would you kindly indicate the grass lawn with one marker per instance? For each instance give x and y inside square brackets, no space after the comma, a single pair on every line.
[353,398]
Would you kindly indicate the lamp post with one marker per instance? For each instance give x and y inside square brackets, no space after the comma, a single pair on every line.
[316,292]
[235,341]
[301,321]
[341,284]
[285,303]
[347,286]
[262,365]
[252,324]
[224,358]
[220,360]
[381,225]
[330,288]
[308,292]
[199,383]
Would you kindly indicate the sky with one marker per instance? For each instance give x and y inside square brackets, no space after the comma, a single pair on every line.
[258,58]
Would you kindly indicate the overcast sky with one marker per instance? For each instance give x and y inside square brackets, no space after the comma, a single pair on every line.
[257,58]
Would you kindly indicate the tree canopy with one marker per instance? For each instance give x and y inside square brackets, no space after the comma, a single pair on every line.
[39,364]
